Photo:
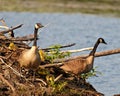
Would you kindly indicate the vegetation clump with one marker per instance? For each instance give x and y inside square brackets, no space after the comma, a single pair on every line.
[55,53]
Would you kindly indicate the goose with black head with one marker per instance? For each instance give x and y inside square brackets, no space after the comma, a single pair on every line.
[82,65]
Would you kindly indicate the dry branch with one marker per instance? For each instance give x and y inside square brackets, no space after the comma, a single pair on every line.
[6,81]
[50,65]
[69,45]
[78,50]
[11,29]
[108,52]
[38,79]
[15,71]
[58,77]
[97,54]
[103,53]
[24,38]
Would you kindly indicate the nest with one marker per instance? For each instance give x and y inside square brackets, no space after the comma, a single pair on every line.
[50,80]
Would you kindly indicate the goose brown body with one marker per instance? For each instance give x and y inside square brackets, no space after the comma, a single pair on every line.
[30,58]
[80,65]
[83,64]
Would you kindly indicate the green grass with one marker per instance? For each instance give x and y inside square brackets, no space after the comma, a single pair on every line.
[85,6]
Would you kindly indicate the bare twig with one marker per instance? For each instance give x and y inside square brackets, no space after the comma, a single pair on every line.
[18,74]
[6,81]
[38,79]
[78,50]
[69,45]
[11,29]
[58,77]
[24,38]
[50,65]
[15,71]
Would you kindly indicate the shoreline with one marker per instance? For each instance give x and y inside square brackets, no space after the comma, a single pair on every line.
[39,6]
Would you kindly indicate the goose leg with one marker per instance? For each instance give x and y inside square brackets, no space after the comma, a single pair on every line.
[34,76]
[21,78]
[78,80]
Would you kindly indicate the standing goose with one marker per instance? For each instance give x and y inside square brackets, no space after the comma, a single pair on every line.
[83,64]
[30,58]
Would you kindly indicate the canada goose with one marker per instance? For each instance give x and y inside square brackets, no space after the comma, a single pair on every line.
[30,58]
[82,65]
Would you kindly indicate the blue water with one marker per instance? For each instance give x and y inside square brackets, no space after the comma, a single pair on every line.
[82,29]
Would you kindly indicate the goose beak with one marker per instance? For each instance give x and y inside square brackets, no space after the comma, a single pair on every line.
[105,42]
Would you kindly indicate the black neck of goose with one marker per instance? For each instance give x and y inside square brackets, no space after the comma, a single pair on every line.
[92,53]
[35,37]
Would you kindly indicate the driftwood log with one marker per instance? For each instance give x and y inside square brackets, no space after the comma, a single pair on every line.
[97,54]
[105,53]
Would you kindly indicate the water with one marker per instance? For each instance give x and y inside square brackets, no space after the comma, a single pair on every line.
[81,29]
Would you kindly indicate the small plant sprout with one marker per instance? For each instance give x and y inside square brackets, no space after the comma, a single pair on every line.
[56,86]
[92,73]
[55,53]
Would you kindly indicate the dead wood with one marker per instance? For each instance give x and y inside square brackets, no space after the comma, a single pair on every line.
[24,38]
[108,52]
[63,46]
[50,65]
[11,29]
[7,82]
[38,79]
[105,53]
[97,54]
[58,77]
[7,41]
[14,71]
[78,50]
